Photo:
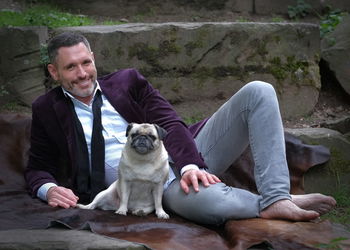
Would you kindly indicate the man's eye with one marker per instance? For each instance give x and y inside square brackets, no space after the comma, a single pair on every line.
[70,67]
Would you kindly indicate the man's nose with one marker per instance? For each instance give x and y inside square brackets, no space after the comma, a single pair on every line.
[81,72]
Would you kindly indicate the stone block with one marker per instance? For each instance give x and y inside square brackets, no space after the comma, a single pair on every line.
[205,63]
[335,174]
[266,7]
[20,63]
[246,6]
[335,48]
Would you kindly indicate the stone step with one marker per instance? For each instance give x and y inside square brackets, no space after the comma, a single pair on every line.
[202,64]
[196,66]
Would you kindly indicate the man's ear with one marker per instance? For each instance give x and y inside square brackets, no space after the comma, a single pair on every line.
[53,71]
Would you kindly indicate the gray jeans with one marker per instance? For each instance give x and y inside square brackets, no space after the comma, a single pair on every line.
[251,116]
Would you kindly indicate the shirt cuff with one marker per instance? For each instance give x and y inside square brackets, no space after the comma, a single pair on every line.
[42,191]
[188,167]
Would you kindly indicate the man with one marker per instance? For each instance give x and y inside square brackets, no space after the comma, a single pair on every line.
[63,129]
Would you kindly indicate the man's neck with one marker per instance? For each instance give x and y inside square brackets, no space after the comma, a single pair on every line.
[86,100]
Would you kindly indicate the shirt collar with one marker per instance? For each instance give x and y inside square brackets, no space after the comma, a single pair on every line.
[69,95]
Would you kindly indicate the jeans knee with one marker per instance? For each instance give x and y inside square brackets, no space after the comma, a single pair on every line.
[260,89]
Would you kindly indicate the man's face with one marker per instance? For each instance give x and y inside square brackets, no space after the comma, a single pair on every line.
[75,70]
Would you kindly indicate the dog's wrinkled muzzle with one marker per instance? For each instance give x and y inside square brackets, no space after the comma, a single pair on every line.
[142,144]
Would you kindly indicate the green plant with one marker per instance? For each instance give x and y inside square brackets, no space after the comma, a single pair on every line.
[193,118]
[330,20]
[341,213]
[43,15]
[300,10]
[277,19]
[44,57]
[242,19]
[112,22]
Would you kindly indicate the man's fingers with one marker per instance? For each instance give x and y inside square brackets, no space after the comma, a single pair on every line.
[203,177]
[210,179]
[184,186]
[194,181]
[216,179]
[192,177]
[58,203]
[59,200]
[67,193]
[53,204]
[63,197]
[213,178]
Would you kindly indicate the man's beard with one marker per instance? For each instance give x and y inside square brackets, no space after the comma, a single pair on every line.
[83,92]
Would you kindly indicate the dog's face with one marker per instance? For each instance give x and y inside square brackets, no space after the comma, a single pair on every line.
[145,137]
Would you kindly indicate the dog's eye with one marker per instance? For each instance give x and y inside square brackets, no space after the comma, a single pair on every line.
[133,135]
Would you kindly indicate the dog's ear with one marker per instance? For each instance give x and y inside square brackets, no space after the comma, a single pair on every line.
[128,129]
[161,132]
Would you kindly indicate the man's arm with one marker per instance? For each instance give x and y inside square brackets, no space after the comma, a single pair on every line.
[179,141]
[43,163]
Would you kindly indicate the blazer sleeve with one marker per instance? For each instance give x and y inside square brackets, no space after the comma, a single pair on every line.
[179,141]
[43,155]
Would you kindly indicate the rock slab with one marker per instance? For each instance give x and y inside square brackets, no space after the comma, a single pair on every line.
[335,49]
[198,66]
[334,174]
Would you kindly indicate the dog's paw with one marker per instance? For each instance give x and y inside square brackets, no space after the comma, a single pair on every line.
[162,215]
[121,211]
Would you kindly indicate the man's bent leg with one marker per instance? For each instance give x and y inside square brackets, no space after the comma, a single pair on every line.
[250,116]
[211,205]
[253,113]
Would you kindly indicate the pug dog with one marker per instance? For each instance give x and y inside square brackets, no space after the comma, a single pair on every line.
[142,171]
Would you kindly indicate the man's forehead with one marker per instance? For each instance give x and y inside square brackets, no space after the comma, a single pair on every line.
[73,52]
[67,49]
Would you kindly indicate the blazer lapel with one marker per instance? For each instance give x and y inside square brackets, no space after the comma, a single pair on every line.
[121,101]
[65,118]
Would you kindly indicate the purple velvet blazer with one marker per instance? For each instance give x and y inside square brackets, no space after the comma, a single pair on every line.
[52,152]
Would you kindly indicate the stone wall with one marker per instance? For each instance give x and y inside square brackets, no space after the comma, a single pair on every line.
[111,8]
[196,66]
[20,69]
[336,52]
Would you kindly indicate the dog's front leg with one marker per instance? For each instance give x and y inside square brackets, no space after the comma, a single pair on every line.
[124,193]
[157,196]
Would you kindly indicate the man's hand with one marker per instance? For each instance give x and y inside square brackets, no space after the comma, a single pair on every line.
[62,197]
[191,177]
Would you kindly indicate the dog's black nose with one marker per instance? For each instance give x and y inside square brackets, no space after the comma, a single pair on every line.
[142,140]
